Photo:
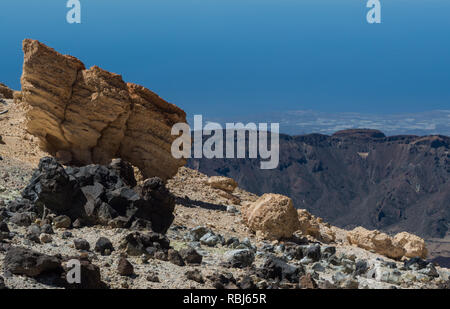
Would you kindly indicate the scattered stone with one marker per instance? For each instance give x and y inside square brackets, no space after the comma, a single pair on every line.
[124,267]
[22,219]
[4,227]
[81,244]
[240,258]
[210,239]
[21,261]
[361,268]
[90,277]
[152,277]
[429,271]
[308,282]
[313,252]
[223,281]
[191,256]
[33,233]
[232,209]
[62,222]
[174,257]
[66,234]
[197,233]
[161,255]
[318,267]
[195,275]
[2,284]
[232,242]
[415,263]
[103,245]
[45,238]
[222,183]
[47,229]
[275,268]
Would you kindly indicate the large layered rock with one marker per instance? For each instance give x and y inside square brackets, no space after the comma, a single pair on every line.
[272,216]
[94,115]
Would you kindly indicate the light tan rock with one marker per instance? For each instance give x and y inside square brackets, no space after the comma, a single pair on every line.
[414,246]
[5,92]
[315,227]
[95,115]
[222,183]
[375,241]
[308,226]
[17,97]
[272,216]
[362,238]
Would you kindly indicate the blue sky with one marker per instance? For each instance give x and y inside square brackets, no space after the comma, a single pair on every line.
[230,57]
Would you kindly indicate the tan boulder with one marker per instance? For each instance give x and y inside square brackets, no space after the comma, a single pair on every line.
[362,238]
[414,246]
[315,227]
[272,216]
[375,241]
[95,115]
[327,234]
[222,183]
[308,225]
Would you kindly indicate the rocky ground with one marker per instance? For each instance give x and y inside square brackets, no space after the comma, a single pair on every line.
[208,245]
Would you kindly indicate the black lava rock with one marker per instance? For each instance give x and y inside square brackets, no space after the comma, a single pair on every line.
[104,245]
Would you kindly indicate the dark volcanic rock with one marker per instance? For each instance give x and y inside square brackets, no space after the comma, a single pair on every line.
[136,243]
[2,284]
[22,218]
[124,267]
[277,269]
[308,282]
[81,244]
[174,257]
[104,245]
[223,281]
[195,275]
[191,256]
[90,277]
[97,194]
[415,263]
[21,261]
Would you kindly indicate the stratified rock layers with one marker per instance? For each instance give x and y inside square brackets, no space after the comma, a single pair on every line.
[95,115]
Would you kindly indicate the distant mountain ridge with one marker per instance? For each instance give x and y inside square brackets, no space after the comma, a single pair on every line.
[356,177]
[308,121]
